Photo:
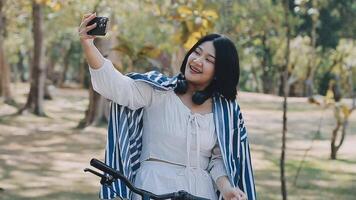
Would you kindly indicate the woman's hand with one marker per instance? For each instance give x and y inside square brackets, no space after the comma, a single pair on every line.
[92,54]
[229,192]
[83,28]
[232,193]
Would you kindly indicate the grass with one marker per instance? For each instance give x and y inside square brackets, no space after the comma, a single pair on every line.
[43,157]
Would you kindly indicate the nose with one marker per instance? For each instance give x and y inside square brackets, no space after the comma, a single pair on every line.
[198,60]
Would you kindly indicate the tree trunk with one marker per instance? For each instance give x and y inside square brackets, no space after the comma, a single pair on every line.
[50,63]
[267,74]
[343,125]
[5,91]
[311,70]
[97,111]
[342,121]
[38,70]
[66,66]
[21,66]
[86,76]
[82,73]
[285,95]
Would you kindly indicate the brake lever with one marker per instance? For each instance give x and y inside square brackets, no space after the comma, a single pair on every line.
[94,172]
[105,179]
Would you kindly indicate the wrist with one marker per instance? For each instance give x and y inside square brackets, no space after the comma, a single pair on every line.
[223,184]
[86,42]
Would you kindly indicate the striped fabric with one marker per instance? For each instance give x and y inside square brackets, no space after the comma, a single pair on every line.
[124,140]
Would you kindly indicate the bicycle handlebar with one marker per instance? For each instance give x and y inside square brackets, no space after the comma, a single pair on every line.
[181,195]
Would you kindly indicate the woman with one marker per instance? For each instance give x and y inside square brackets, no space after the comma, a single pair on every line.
[187,133]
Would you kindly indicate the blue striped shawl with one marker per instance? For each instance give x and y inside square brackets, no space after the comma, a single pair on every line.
[124,140]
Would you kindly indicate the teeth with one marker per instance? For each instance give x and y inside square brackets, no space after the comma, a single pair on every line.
[194,69]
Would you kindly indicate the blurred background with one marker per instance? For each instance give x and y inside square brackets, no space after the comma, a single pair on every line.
[297,59]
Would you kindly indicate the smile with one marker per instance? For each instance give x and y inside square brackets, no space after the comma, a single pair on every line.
[195,69]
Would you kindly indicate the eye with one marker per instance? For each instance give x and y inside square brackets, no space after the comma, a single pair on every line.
[211,61]
[197,52]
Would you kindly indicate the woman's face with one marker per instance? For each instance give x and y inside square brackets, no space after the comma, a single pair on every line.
[200,67]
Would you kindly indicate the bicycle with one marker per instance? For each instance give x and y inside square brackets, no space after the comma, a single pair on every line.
[110,175]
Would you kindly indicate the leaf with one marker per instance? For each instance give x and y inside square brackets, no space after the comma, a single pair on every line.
[184,11]
[125,49]
[345,110]
[192,39]
[329,97]
[312,100]
[149,51]
[190,26]
[177,37]
[257,42]
[210,14]
[56,7]
[42,1]
[205,24]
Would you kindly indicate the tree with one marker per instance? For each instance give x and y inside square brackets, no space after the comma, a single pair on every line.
[190,20]
[5,91]
[259,32]
[38,69]
[285,98]
[341,85]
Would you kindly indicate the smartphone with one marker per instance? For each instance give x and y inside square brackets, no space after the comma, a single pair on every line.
[101,26]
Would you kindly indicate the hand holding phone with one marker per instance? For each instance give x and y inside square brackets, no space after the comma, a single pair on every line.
[92,26]
[101,26]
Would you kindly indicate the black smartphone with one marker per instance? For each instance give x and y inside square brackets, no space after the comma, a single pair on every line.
[101,26]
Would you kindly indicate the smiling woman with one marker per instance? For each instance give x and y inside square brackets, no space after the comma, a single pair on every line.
[214,58]
[181,133]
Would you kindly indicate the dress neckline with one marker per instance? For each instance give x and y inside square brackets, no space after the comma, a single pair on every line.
[189,110]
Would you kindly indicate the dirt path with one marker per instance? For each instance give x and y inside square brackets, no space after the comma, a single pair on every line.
[44,158]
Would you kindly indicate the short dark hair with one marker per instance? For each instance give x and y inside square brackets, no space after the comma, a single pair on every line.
[227,68]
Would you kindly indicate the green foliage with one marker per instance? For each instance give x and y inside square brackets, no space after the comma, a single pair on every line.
[335,20]
[148,29]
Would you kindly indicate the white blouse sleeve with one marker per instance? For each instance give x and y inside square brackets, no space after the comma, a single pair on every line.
[113,85]
[216,165]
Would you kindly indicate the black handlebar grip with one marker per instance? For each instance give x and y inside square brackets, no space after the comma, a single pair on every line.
[103,167]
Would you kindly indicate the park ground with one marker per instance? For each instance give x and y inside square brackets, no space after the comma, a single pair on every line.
[43,158]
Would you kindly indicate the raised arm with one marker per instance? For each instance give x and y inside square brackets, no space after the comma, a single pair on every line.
[94,58]
[108,81]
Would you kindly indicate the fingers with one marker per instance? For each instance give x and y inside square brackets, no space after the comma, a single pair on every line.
[88,28]
[86,15]
[239,195]
[84,31]
[242,196]
[88,19]
[83,28]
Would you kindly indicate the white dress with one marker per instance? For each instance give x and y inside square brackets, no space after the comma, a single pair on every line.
[171,133]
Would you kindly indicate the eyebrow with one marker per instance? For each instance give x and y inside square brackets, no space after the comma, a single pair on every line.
[201,49]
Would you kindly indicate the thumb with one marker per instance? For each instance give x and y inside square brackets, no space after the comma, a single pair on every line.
[236,193]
